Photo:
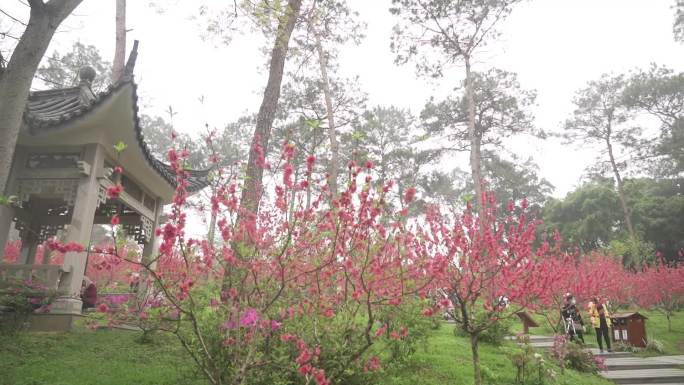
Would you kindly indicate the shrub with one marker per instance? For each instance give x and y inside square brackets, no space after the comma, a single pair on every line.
[19,299]
[406,329]
[654,346]
[531,367]
[521,357]
[321,293]
[582,360]
[620,346]
[497,333]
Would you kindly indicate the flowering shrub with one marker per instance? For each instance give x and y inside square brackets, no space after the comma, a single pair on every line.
[560,350]
[11,251]
[314,292]
[661,288]
[489,269]
[582,360]
[20,298]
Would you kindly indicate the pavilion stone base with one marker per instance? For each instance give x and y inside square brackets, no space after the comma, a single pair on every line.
[66,305]
[50,322]
[40,322]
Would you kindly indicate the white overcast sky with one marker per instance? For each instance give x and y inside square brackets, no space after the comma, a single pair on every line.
[555,46]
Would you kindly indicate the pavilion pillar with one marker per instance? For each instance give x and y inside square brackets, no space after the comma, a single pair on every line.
[7,212]
[79,230]
[150,248]
[6,215]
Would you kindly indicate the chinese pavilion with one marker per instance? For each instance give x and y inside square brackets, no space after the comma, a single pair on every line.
[63,164]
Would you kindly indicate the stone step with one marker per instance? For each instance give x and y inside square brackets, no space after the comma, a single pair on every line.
[645,376]
[607,355]
[542,344]
[541,339]
[634,363]
[596,352]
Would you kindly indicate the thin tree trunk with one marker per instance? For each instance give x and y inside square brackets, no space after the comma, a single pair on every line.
[621,192]
[212,228]
[15,82]
[251,193]
[334,156]
[120,47]
[474,347]
[475,157]
[669,321]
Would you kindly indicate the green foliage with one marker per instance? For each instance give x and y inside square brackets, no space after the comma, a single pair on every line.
[588,217]
[19,299]
[447,361]
[496,334]
[654,345]
[112,357]
[82,357]
[531,366]
[384,136]
[436,33]
[8,200]
[634,252]
[501,110]
[620,346]
[493,335]
[407,317]
[209,323]
[120,147]
[658,93]
[61,70]
[580,359]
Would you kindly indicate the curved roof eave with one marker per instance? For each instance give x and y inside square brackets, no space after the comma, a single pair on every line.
[48,111]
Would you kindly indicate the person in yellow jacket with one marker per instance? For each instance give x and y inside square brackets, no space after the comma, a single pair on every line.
[600,320]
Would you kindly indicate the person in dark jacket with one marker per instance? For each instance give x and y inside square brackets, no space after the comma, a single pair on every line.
[88,293]
[572,319]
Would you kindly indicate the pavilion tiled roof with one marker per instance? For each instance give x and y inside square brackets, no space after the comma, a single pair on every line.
[55,109]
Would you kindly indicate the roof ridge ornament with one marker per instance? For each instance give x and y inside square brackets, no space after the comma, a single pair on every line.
[86,76]
[130,64]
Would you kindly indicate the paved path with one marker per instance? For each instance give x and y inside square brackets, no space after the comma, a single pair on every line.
[625,368]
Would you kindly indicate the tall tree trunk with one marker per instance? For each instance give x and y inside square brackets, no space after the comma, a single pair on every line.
[120,47]
[475,348]
[621,192]
[474,137]
[15,81]
[332,130]
[251,192]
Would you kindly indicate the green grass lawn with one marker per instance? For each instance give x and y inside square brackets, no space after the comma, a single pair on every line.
[115,358]
[447,360]
[91,358]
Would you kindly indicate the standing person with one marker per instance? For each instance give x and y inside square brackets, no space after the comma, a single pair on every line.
[88,293]
[600,320]
[572,319]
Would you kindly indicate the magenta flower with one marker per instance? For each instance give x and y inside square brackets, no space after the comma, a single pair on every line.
[250,318]
[275,325]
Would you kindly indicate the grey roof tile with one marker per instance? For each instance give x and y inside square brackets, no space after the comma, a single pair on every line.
[54,109]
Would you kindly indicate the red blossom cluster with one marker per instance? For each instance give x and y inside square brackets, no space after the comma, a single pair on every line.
[114,191]
[306,358]
[55,245]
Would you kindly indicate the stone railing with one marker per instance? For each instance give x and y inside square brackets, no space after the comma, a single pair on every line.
[48,276]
